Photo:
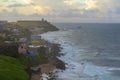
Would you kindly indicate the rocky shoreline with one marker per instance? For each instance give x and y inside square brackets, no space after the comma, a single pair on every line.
[16,42]
[51,67]
[51,64]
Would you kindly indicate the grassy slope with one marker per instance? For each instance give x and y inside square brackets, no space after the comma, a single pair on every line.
[46,25]
[11,69]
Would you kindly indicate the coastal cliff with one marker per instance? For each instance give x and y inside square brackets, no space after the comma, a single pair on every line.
[10,40]
[42,25]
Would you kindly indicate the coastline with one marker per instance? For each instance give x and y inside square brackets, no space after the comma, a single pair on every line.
[37,65]
[52,66]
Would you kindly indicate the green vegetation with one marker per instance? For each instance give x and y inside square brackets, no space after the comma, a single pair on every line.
[12,51]
[40,24]
[15,66]
[29,61]
[31,23]
[9,50]
[12,69]
[2,38]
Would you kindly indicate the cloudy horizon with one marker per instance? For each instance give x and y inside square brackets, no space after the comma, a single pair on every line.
[61,10]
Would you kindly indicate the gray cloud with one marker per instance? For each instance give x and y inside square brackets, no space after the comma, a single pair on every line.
[14,15]
[76,13]
[20,5]
[106,10]
[65,17]
[4,0]
[17,5]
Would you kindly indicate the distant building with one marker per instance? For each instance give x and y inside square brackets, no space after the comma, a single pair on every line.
[43,20]
[34,38]
[16,31]
[3,26]
[37,44]
[23,40]
[22,49]
[3,22]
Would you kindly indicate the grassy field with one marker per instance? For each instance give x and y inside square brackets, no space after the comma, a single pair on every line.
[12,69]
[41,24]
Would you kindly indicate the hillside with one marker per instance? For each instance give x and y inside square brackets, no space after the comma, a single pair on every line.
[11,69]
[45,26]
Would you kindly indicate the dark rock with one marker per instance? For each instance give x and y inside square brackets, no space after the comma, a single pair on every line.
[59,64]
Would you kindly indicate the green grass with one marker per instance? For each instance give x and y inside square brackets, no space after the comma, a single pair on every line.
[46,25]
[12,69]
[30,23]
[28,61]
[2,38]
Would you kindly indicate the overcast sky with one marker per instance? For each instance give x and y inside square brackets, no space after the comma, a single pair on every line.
[61,10]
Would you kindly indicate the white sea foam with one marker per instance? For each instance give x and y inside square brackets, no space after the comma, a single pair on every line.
[75,70]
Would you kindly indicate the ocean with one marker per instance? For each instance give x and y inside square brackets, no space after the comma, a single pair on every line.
[91,50]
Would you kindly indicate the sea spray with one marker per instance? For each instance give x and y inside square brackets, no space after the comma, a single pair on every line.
[90,47]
